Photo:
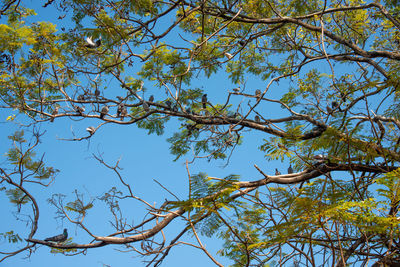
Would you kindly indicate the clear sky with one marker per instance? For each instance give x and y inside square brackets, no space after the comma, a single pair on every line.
[143,158]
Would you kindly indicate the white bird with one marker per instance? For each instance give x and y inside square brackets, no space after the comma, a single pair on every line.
[236,90]
[228,56]
[91,44]
[91,130]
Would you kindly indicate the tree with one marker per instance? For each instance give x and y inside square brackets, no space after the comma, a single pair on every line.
[330,71]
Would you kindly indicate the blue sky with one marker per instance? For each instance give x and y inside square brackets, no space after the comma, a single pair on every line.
[144,158]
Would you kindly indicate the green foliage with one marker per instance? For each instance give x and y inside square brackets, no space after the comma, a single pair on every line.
[190,94]
[181,142]
[154,124]
[78,206]
[207,197]
[17,196]
[25,159]
[210,225]
[274,149]
[302,211]
[179,146]
[390,190]
[243,236]
[14,36]
[214,147]
[64,251]
[10,237]
[208,58]
[111,199]
[236,71]
[18,137]
[133,84]
[162,62]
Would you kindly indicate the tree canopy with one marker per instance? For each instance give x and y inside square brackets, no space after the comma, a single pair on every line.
[317,81]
